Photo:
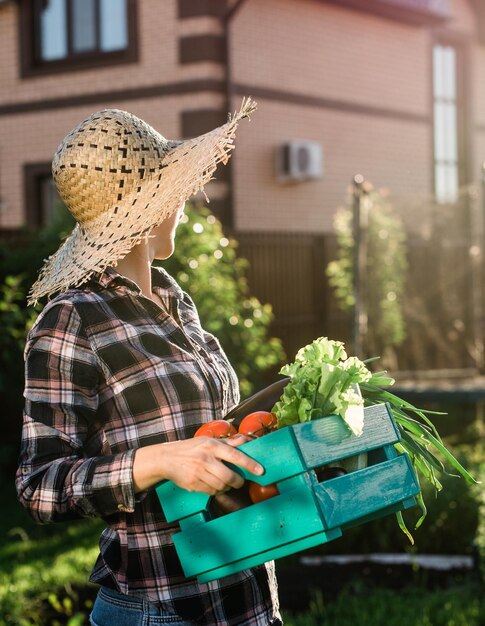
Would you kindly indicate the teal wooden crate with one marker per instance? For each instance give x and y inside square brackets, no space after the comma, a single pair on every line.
[306,512]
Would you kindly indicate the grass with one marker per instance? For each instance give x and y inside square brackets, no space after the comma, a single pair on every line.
[42,568]
[456,606]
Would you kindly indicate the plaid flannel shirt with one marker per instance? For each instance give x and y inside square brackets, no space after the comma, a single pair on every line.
[108,371]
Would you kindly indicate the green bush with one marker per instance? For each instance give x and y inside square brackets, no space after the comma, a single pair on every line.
[206,264]
[385,269]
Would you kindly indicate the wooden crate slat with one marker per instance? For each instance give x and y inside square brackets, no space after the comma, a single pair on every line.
[357,494]
[269,555]
[328,439]
[266,525]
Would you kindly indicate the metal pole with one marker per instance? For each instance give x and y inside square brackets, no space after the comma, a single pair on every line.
[359,265]
[483,199]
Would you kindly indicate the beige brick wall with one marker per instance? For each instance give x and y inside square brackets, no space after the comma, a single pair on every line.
[463,17]
[158,29]
[342,55]
[305,47]
[390,154]
[478,82]
[34,137]
[318,49]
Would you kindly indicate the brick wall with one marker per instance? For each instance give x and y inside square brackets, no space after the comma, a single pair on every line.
[357,83]
[33,136]
[159,30]
[393,154]
[367,86]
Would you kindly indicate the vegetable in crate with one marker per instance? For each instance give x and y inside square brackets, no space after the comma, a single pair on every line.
[216,429]
[324,381]
[258,424]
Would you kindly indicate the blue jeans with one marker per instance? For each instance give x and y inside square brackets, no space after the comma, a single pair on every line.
[112,608]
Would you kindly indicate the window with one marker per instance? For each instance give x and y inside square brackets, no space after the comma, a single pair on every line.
[65,34]
[43,204]
[446,110]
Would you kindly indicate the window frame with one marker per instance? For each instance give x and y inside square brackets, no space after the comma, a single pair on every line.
[29,38]
[35,213]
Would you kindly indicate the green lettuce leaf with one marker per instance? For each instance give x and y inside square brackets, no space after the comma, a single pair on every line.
[323,381]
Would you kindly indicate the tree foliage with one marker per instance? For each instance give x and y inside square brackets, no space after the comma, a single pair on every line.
[385,270]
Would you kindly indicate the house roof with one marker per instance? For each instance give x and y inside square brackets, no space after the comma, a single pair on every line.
[420,12]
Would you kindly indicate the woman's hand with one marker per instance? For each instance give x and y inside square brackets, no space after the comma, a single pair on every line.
[193,464]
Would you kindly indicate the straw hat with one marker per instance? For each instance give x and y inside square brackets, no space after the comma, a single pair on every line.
[120,178]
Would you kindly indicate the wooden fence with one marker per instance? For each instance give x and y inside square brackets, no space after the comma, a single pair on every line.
[443,307]
[288,271]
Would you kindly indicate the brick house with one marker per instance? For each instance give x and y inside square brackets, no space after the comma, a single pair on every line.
[390,88]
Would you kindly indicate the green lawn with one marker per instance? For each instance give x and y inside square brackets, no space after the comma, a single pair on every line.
[42,568]
[457,606]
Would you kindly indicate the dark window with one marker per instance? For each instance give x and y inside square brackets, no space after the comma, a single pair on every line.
[62,35]
[43,204]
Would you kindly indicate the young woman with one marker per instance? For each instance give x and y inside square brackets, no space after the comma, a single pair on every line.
[120,374]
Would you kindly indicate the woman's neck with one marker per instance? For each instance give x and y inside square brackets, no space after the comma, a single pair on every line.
[136,266]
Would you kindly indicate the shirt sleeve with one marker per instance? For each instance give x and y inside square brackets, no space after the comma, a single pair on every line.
[61,473]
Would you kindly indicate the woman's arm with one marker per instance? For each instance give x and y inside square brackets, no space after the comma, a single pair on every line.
[55,479]
[61,475]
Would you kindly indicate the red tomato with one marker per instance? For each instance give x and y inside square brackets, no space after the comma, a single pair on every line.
[258,423]
[259,493]
[217,429]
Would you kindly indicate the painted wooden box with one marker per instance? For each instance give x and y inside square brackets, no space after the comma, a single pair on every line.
[306,512]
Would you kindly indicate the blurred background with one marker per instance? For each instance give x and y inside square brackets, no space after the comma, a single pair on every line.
[353,207]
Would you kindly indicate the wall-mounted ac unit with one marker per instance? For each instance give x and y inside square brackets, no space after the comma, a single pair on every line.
[298,160]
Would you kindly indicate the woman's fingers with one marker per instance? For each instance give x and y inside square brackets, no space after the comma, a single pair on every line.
[228,477]
[230,454]
[213,469]
[237,440]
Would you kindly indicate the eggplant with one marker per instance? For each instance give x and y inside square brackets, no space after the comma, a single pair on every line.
[230,501]
[327,473]
[263,400]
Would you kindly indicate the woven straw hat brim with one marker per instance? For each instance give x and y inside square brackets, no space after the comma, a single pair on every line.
[104,240]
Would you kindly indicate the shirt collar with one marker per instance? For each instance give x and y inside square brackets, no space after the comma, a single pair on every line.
[161,280]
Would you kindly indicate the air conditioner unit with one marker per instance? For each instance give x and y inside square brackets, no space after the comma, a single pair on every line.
[299,160]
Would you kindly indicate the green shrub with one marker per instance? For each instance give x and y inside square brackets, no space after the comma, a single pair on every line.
[206,264]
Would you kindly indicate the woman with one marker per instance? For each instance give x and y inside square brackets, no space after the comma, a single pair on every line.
[120,374]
